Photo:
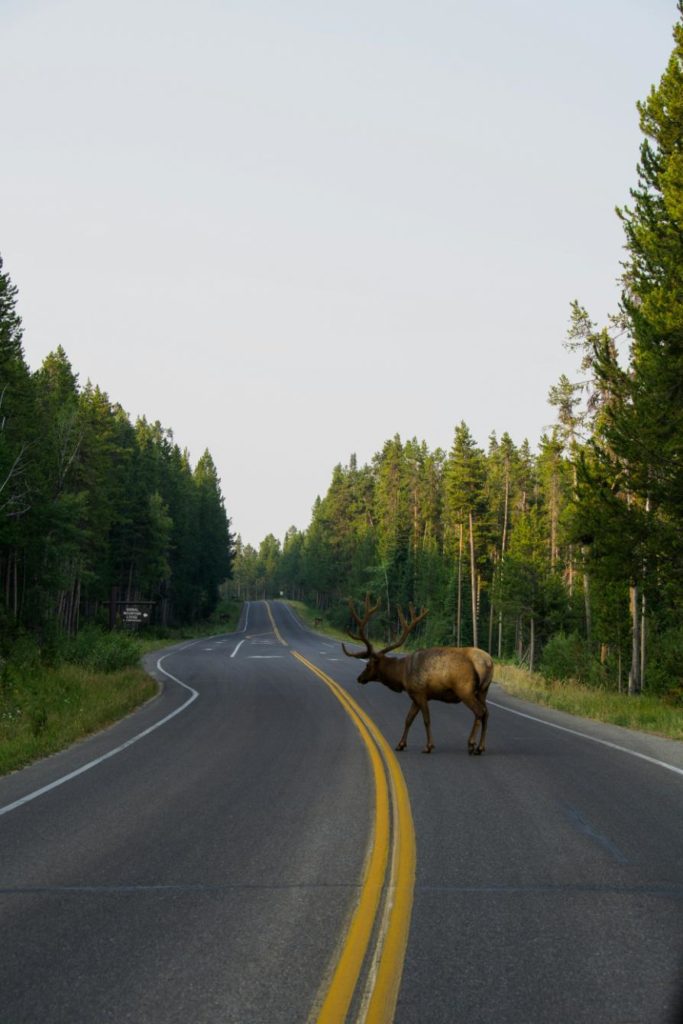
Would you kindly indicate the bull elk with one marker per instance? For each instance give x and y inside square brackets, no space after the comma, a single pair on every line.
[450,674]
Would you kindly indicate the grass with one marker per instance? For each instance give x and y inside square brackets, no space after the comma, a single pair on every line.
[646,712]
[95,679]
[44,711]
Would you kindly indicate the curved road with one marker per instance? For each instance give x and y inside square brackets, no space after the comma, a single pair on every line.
[203,859]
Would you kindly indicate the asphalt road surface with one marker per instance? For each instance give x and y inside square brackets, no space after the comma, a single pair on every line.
[205,859]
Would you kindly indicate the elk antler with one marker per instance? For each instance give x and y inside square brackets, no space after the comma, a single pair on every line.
[406,627]
[361,637]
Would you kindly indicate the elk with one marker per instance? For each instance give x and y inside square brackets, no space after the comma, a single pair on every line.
[450,674]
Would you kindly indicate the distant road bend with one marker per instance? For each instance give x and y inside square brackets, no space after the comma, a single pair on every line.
[248,848]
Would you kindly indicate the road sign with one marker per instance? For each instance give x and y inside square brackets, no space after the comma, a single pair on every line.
[132,613]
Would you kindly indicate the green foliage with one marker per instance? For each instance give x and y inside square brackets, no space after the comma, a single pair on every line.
[665,663]
[102,651]
[648,713]
[44,709]
[51,695]
[569,656]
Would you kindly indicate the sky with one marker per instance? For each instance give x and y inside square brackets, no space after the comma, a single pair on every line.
[289,231]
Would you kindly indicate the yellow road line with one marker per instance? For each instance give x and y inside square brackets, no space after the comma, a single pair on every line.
[379,1000]
[344,979]
[381,997]
[275,629]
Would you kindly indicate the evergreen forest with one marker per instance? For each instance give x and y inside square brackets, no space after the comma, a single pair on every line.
[96,512]
[568,557]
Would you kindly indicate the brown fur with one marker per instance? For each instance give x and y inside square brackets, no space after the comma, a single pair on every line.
[449,674]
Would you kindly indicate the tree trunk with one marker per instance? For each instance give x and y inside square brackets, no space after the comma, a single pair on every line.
[475,638]
[532,637]
[502,556]
[634,681]
[386,586]
[458,617]
[500,634]
[77,605]
[554,504]
[16,586]
[587,606]
[642,642]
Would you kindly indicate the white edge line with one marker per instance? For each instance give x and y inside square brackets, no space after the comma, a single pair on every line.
[110,753]
[593,739]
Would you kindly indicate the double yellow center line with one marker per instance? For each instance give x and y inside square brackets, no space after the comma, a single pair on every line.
[385,904]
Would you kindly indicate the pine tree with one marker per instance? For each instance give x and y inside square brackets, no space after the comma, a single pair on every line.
[464,505]
[16,409]
[645,428]
[55,568]
[215,541]
[630,486]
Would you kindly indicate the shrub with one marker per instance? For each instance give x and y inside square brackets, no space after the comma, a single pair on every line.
[568,656]
[102,651]
[24,654]
[664,671]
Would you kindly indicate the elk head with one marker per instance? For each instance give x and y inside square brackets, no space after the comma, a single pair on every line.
[375,668]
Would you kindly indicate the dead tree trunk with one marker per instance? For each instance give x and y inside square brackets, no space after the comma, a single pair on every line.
[458,617]
[475,638]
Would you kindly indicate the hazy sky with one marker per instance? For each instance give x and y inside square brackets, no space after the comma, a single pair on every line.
[291,230]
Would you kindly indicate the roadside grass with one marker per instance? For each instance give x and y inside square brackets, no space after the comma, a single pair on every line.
[646,712]
[309,616]
[53,696]
[43,711]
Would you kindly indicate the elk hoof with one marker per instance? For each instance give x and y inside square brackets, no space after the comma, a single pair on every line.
[400,746]
[427,750]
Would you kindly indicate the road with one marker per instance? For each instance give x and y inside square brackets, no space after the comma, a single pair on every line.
[215,857]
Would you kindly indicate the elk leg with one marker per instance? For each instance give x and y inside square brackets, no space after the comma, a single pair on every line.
[484,726]
[410,718]
[481,714]
[424,708]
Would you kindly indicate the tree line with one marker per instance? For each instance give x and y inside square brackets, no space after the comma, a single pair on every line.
[96,511]
[570,556]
